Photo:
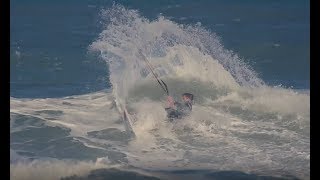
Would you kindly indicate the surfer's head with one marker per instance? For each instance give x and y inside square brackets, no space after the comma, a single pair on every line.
[187,97]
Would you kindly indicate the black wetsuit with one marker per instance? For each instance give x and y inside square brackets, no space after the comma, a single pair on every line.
[181,110]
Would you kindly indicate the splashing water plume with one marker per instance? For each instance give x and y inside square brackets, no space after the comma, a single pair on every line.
[176,51]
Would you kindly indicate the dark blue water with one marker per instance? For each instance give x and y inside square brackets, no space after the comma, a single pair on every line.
[49,40]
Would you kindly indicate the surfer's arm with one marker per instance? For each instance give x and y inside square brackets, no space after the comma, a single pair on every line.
[170,102]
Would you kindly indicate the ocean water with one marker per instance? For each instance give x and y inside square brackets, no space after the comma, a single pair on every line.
[75,65]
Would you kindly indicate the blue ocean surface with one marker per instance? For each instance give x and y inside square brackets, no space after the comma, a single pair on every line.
[74,65]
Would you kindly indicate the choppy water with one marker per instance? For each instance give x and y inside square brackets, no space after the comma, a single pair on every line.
[240,123]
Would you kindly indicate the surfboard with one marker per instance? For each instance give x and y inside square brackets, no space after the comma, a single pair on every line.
[127,120]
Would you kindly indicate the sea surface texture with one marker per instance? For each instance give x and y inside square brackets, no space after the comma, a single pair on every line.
[75,65]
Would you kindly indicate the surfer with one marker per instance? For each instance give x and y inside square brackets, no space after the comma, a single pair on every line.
[177,110]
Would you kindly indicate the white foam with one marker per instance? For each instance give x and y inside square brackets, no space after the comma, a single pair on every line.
[81,114]
[270,99]
[52,169]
